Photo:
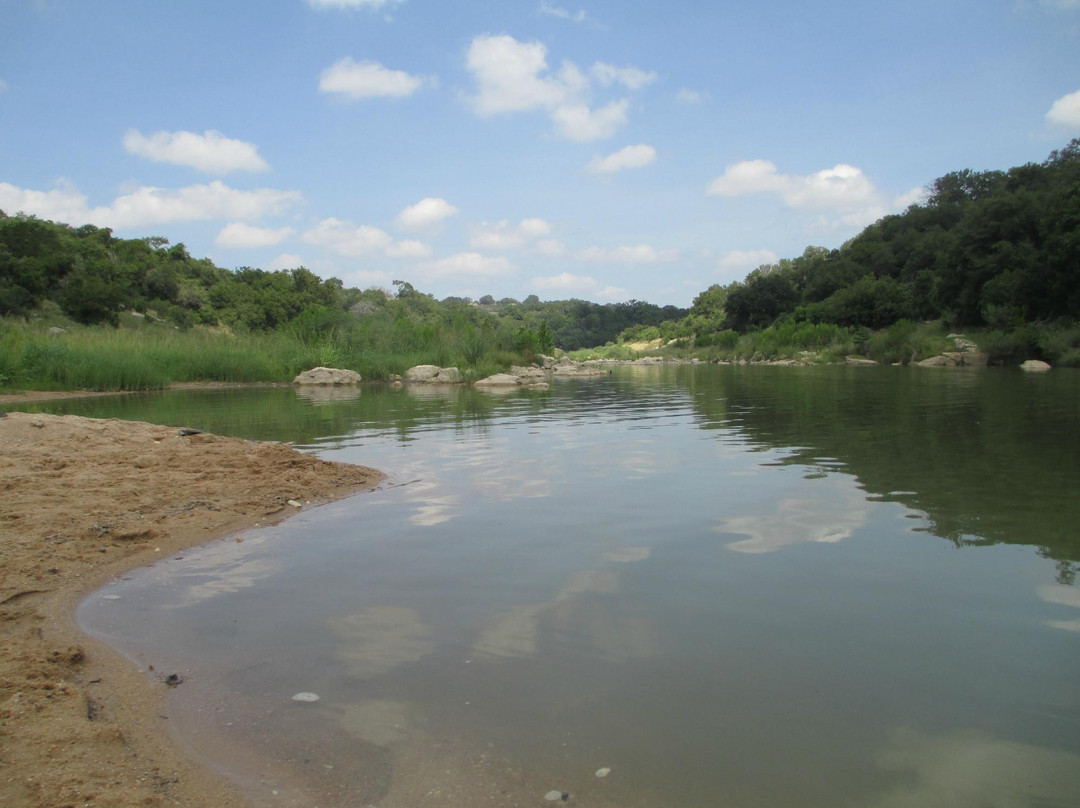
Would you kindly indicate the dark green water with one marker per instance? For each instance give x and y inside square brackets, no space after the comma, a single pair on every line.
[732,586]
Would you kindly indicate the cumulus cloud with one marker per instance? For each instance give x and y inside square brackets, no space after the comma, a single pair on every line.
[359,80]
[631,254]
[632,78]
[578,122]
[467,265]
[746,259]
[637,156]
[567,283]
[505,236]
[550,246]
[211,152]
[513,76]
[408,248]
[347,239]
[507,73]
[1066,111]
[285,261]
[425,215]
[370,5]
[354,241]
[240,234]
[843,191]
[149,205]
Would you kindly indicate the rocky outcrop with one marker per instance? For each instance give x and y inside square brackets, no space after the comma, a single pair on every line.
[1035,366]
[321,375]
[506,381]
[967,354]
[433,374]
[955,359]
[859,362]
[500,380]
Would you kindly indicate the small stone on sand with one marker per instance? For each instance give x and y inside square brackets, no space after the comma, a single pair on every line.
[305,696]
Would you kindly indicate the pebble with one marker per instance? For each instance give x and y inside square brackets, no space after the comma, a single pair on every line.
[305,696]
[295,504]
[604,772]
[555,796]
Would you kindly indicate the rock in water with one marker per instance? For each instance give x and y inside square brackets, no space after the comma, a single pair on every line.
[305,696]
[321,375]
[604,772]
[556,796]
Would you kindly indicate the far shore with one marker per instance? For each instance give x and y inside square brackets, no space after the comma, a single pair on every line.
[84,501]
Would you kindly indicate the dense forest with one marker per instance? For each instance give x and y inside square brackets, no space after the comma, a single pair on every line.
[94,276]
[994,251]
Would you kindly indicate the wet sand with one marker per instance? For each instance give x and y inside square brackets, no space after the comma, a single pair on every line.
[81,501]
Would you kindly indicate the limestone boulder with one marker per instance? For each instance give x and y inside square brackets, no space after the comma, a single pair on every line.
[433,374]
[1035,366]
[321,375]
[499,380]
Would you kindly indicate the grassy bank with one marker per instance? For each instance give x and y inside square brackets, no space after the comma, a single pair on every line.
[141,355]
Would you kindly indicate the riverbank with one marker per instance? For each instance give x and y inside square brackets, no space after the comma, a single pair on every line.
[84,500]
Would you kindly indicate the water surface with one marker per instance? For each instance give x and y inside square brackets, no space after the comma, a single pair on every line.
[732,586]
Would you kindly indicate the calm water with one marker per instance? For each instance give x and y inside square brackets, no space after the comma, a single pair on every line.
[731,586]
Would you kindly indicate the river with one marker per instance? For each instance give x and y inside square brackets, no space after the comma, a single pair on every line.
[729,586]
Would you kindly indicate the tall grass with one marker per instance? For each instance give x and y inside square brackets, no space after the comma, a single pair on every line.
[150,356]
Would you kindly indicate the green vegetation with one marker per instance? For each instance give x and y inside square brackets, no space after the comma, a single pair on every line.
[994,253]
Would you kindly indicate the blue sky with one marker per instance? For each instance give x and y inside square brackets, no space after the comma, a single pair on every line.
[602,150]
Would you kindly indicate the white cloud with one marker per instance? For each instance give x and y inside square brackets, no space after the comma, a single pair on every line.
[357,80]
[347,239]
[467,265]
[746,259]
[579,123]
[371,5]
[562,13]
[285,261]
[505,236]
[149,205]
[637,156]
[62,204]
[3,85]
[513,76]
[843,191]
[408,248]
[508,75]
[211,152]
[1066,110]
[687,96]
[424,215]
[550,246]
[632,78]
[567,283]
[631,254]
[239,234]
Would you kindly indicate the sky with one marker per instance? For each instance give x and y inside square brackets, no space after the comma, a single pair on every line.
[606,150]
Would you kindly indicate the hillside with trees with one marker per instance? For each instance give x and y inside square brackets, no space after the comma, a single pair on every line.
[997,251]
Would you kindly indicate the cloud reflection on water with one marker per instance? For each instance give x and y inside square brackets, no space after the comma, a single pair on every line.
[968,768]
[797,520]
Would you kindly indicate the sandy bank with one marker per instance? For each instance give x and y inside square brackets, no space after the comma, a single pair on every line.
[82,500]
